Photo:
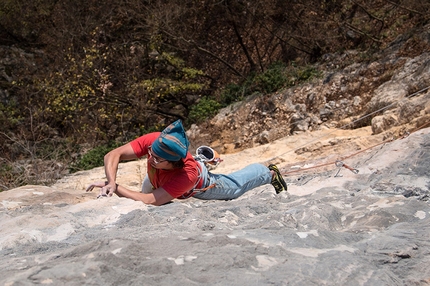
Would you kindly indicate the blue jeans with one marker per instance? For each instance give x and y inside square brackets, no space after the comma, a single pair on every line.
[228,187]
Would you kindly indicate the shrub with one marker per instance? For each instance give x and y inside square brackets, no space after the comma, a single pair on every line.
[93,158]
[304,74]
[204,109]
[233,93]
[272,79]
[7,176]
[276,77]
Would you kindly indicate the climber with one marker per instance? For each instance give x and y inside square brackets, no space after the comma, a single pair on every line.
[173,172]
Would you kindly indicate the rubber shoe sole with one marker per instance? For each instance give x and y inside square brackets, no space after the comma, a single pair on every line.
[277,181]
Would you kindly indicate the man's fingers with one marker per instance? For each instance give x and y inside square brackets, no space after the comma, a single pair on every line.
[90,188]
[95,184]
[105,190]
[101,193]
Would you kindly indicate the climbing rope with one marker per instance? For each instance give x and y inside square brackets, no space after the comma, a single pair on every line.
[339,162]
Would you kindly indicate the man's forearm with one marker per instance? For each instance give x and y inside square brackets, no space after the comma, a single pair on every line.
[145,198]
[111,162]
[112,159]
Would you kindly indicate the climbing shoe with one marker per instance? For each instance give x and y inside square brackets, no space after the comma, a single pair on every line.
[277,181]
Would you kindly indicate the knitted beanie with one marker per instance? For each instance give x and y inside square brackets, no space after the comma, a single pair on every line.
[172,144]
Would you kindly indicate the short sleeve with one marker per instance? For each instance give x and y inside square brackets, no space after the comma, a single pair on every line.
[140,145]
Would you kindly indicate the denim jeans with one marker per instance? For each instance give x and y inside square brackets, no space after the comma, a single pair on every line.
[228,187]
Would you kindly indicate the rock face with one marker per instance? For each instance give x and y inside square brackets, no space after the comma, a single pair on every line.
[332,227]
[392,90]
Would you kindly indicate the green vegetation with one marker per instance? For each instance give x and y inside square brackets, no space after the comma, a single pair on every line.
[204,109]
[93,158]
[275,78]
[6,175]
[271,80]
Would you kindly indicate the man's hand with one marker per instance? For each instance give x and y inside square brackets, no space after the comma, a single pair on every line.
[106,189]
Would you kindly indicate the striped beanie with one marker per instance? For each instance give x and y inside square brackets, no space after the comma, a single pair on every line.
[172,144]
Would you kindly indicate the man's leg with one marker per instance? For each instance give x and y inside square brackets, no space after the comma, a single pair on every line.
[228,187]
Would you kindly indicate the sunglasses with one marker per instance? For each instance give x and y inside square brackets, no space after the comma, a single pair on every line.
[157,160]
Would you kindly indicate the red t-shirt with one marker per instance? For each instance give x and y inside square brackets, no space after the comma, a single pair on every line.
[176,181]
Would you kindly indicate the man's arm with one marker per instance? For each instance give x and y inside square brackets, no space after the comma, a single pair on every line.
[157,198]
[111,161]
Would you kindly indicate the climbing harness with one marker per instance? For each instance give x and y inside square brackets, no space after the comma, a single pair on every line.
[205,157]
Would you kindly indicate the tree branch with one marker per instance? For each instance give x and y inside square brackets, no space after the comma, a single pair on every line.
[363,33]
[207,52]
[368,13]
[403,7]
